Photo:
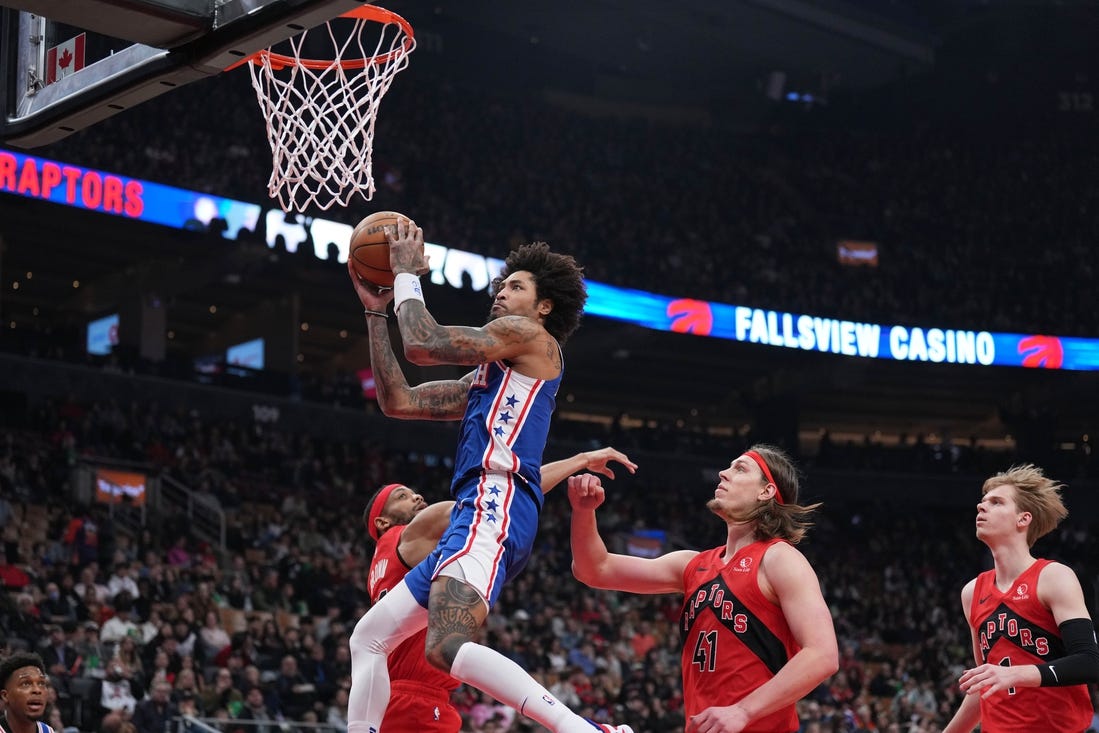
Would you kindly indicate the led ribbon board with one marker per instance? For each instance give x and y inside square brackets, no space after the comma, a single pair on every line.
[85,188]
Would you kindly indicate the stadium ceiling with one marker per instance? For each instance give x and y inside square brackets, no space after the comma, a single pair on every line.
[711,49]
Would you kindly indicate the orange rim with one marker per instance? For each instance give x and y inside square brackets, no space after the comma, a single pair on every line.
[280,61]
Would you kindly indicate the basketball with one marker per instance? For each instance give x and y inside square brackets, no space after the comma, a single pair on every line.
[369,252]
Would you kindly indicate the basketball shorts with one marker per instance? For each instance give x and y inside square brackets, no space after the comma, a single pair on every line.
[492,529]
[419,708]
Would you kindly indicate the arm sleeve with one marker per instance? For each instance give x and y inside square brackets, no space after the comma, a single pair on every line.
[1080,665]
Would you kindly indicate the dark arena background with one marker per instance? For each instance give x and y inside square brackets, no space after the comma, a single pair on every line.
[864,231]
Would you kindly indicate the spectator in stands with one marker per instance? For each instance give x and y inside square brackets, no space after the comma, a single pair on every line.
[148,625]
[188,705]
[212,637]
[121,624]
[256,710]
[161,669]
[294,692]
[122,580]
[24,623]
[318,672]
[184,633]
[57,608]
[288,602]
[116,690]
[152,714]
[128,661]
[265,597]
[270,643]
[205,599]
[61,659]
[178,555]
[222,694]
[82,539]
[89,587]
[237,590]
[92,609]
[188,682]
[91,649]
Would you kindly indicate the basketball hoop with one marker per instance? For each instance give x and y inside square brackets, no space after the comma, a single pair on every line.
[320,113]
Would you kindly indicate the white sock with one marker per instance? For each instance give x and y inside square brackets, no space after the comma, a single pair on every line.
[391,620]
[492,672]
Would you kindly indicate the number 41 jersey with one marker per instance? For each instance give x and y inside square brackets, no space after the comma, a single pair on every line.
[734,638]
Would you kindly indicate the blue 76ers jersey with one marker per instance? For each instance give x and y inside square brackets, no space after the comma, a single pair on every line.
[506,424]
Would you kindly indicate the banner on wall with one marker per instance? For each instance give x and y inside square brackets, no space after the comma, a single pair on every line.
[85,188]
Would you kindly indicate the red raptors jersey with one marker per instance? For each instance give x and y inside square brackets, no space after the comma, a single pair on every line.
[734,639]
[407,661]
[1015,628]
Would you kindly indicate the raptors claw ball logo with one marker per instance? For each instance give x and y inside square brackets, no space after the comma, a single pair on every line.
[691,316]
[1042,351]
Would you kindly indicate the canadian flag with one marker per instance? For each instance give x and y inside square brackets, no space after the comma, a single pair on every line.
[65,58]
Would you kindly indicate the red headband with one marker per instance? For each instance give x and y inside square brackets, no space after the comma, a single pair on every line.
[377,507]
[766,472]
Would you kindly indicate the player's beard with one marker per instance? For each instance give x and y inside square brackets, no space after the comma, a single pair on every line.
[403,517]
[717,507]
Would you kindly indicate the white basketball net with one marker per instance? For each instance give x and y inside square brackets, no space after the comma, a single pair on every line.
[320,122]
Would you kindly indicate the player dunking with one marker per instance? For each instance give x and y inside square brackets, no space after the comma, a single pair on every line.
[1033,640]
[757,634]
[406,529]
[505,405]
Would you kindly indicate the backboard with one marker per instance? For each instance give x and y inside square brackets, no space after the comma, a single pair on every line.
[66,65]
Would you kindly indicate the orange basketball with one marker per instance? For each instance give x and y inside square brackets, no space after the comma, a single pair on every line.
[369,251]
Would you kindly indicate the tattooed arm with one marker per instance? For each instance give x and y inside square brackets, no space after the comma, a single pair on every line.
[441,400]
[510,337]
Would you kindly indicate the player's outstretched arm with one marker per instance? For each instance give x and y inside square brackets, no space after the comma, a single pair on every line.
[594,566]
[595,460]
